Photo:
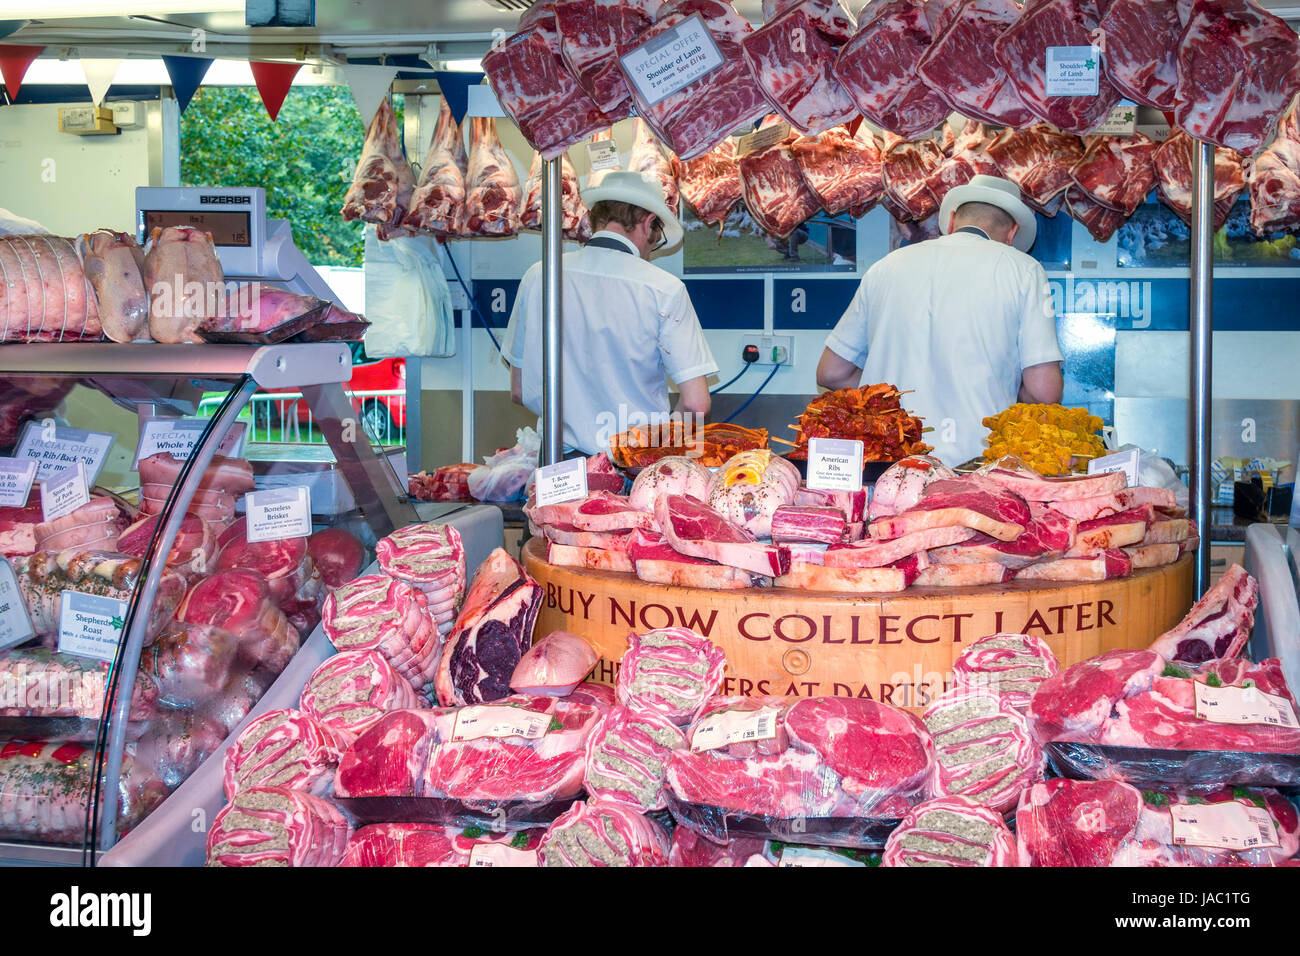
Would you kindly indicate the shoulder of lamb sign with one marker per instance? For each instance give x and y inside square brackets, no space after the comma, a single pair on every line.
[672,60]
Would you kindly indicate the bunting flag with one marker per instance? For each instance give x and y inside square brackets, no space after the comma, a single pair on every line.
[99,77]
[14,61]
[369,85]
[273,81]
[455,89]
[186,73]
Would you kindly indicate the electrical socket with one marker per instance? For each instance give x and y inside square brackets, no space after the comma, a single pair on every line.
[765,345]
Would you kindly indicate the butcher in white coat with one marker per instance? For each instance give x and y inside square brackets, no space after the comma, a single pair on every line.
[965,321]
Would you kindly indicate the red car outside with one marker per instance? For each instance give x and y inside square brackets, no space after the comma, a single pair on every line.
[378,391]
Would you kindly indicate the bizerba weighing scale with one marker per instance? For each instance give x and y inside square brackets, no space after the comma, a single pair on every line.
[249,246]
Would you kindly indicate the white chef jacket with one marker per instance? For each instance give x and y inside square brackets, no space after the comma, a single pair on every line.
[627,325]
[955,319]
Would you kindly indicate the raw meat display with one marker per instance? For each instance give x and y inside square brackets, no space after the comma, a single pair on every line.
[1142,50]
[1034,487]
[958,65]
[950,831]
[774,190]
[658,562]
[1117,171]
[427,844]
[1105,565]
[795,524]
[969,158]
[352,691]
[1238,71]
[493,195]
[1101,506]
[831,18]
[793,63]
[698,117]
[178,742]
[1022,52]
[185,282]
[901,485]
[194,551]
[690,849]
[1077,701]
[260,308]
[875,553]
[897,576]
[1102,222]
[48,297]
[337,554]
[749,488]
[592,33]
[1274,180]
[1075,823]
[1040,161]
[94,526]
[969,502]
[430,557]
[593,559]
[600,696]
[535,87]
[843,171]
[232,476]
[600,512]
[273,826]
[114,265]
[652,161]
[35,682]
[1173,165]
[626,758]
[710,183]
[383,183]
[984,748]
[438,202]
[284,748]
[554,666]
[240,602]
[1113,531]
[571,537]
[45,787]
[23,398]
[284,564]
[975,574]
[908,167]
[673,475]
[670,672]
[878,67]
[1009,665]
[190,663]
[389,759]
[576,222]
[379,613]
[491,634]
[448,483]
[599,833]
[696,530]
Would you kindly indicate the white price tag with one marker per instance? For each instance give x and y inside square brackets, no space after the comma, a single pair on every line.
[1125,461]
[64,493]
[482,101]
[672,60]
[1122,121]
[734,727]
[1073,70]
[500,854]
[55,449]
[278,513]
[834,464]
[90,625]
[813,856]
[15,625]
[563,481]
[177,437]
[16,477]
[1243,705]
[486,721]
[602,154]
[1228,826]
[760,140]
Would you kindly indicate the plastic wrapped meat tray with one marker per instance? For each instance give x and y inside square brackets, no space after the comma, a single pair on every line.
[281,333]
[1175,768]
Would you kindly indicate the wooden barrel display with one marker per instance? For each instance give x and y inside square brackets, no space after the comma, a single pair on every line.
[897,648]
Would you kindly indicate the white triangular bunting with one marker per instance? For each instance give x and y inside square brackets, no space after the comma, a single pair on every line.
[369,85]
[99,77]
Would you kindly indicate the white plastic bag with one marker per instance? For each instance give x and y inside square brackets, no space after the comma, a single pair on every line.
[408,303]
[504,476]
[1155,472]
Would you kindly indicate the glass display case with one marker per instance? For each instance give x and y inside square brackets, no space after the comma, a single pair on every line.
[164,569]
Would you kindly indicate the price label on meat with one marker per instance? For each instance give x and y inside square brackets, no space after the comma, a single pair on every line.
[1073,70]
[672,60]
[15,625]
[278,513]
[499,854]
[603,155]
[90,625]
[1244,705]
[812,856]
[177,437]
[64,493]
[834,464]
[1122,120]
[1125,461]
[55,449]
[734,727]
[563,481]
[1228,826]
[758,141]
[485,721]
[16,477]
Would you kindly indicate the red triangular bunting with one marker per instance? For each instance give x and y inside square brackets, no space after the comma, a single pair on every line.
[14,61]
[273,81]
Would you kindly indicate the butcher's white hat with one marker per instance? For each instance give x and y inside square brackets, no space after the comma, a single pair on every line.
[641,190]
[995,191]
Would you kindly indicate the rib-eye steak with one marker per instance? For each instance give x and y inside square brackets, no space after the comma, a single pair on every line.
[695,529]
[1218,625]
[965,502]
[1073,704]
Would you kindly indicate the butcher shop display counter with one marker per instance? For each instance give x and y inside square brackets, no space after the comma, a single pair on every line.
[155,587]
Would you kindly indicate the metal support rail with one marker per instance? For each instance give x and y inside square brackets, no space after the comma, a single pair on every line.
[552,315]
[1201,327]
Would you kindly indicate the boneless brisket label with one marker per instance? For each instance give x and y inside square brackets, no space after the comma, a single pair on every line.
[734,727]
[1243,705]
[475,722]
[1228,826]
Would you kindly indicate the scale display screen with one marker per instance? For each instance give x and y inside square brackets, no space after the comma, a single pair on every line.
[227,228]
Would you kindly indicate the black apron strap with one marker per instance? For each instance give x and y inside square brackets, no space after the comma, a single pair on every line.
[605,242]
[974,231]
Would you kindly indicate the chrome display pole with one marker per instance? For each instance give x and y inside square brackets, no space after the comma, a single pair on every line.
[552,314]
[1202,372]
